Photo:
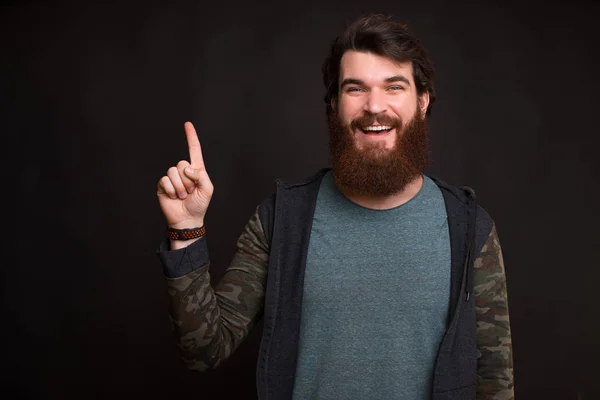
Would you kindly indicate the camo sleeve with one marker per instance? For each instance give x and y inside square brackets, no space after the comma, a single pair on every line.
[495,364]
[209,323]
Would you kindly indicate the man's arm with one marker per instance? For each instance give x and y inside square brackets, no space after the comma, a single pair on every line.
[495,363]
[211,323]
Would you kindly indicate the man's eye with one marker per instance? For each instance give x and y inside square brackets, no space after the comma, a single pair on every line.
[396,88]
[354,89]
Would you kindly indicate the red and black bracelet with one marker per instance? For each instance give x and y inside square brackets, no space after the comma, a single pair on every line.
[185,234]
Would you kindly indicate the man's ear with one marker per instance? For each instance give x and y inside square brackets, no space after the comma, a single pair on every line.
[424,103]
[333,103]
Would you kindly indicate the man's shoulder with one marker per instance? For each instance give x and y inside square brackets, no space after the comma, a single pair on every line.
[294,191]
[459,196]
[462,193]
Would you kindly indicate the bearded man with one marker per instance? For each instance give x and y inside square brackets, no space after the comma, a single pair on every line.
[374,280]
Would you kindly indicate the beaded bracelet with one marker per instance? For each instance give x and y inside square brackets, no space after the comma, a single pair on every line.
[185,234]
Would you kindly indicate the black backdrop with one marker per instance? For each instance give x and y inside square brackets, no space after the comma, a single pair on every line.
[94,97]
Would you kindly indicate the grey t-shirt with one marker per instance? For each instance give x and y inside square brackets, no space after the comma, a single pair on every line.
[376,297]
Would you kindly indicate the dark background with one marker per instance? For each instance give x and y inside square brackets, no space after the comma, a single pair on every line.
[94,97]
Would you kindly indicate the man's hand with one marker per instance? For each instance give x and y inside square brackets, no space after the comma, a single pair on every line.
[185,192]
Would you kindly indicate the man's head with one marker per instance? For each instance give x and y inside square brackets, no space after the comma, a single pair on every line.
[379,83]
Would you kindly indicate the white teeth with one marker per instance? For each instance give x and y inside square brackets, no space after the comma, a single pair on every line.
[377,128]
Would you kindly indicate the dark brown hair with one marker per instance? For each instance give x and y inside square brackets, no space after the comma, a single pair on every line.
[379,34]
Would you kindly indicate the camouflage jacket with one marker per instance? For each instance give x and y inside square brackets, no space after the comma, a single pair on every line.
[210,323]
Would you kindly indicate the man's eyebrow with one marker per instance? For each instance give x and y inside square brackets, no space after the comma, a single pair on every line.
[391,79]
[398,78]
[351,81]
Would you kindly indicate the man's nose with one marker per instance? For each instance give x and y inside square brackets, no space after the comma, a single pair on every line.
[375,103]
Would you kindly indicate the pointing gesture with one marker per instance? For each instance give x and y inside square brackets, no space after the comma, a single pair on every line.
[194,145]
[184,193]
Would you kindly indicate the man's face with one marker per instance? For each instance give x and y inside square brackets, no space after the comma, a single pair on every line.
[378,130]
[374,93]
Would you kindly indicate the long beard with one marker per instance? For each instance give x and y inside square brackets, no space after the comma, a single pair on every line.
[374,171]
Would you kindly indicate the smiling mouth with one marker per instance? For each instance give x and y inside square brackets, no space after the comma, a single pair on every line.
[376,129]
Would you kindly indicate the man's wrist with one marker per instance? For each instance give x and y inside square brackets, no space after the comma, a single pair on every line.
[186,234]
[188,224]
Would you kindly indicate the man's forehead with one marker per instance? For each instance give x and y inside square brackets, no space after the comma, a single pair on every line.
[367,65]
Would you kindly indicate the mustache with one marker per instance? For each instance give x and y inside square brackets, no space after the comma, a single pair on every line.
[370,119]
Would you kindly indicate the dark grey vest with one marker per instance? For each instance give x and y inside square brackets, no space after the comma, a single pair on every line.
[287,219]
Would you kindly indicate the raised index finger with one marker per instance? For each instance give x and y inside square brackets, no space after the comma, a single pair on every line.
[196,159]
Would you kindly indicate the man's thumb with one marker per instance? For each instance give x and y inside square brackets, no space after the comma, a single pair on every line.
[191,173]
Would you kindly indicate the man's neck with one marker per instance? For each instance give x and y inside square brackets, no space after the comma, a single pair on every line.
[386,202]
